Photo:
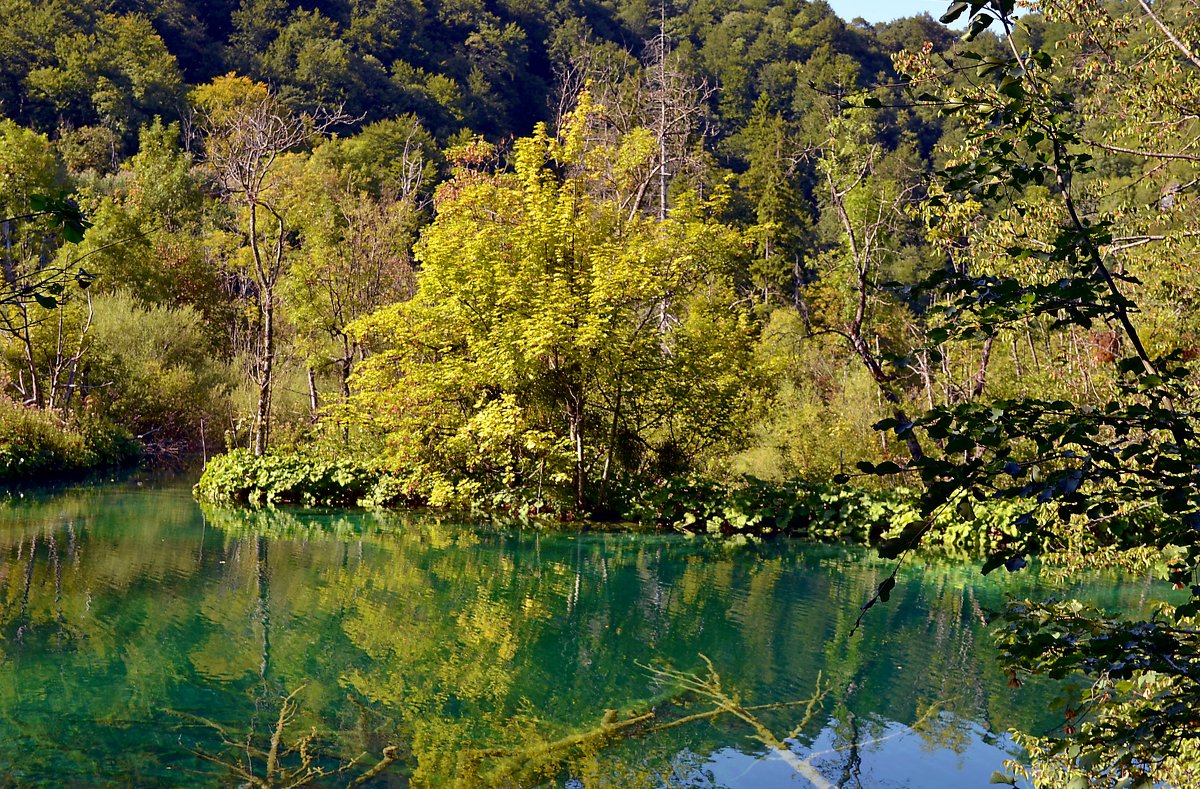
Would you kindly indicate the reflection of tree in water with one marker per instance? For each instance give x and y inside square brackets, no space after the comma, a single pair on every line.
[19,623]
[453,658]
[284,760]
[444,641]
[280,760]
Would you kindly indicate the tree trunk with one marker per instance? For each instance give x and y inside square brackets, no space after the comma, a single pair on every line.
[35,385]
[262,414]
[314,404]
[575,423]
[10,267]
[266,296]
[612,444]
[981,376]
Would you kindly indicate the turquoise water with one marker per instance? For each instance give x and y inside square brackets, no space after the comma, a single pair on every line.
[147,642]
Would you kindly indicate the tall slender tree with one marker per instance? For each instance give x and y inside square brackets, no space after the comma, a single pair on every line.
[246,129]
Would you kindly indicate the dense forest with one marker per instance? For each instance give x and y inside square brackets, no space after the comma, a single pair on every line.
[690,266]
[235,163]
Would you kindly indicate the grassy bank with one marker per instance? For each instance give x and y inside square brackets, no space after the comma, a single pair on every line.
[35,446]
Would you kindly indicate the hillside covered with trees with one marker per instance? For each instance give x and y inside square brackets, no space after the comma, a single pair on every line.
[690,266]
[141,116]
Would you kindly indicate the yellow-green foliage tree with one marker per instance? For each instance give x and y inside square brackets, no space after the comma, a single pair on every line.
[555,342]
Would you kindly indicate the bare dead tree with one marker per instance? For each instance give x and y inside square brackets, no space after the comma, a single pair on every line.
[656,96]
[846,172]
[678,109]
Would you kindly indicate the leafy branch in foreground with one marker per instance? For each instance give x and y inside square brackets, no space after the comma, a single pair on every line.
[1075,466]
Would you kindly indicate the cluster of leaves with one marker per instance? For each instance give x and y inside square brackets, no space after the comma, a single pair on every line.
[1139,713]
[1084,463]
[812,510]
[240,477]
[796,508]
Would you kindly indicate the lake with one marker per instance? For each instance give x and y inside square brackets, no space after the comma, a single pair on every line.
[145,641]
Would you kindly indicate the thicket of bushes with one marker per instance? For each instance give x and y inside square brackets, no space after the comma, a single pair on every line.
[36,446]
[238,477]
[749,508]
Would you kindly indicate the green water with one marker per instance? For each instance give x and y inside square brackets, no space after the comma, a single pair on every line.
[128,615]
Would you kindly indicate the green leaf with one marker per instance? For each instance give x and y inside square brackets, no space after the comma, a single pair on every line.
[965,510]
[1012,88]
[953,13]
[980,23]
[73,232]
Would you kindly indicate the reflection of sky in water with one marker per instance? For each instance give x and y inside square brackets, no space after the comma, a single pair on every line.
[123,609]
[893,756]
[896,758]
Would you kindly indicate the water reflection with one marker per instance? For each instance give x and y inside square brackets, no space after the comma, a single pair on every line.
[142,639]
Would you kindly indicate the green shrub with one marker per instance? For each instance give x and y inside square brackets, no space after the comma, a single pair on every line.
[159,377]
[810,510]
[35,446]
[238,477]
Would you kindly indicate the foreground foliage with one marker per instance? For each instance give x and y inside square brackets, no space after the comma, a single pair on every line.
[1073,465]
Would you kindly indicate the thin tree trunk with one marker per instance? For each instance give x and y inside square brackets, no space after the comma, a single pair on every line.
[314,403]
[612,444]
[10,267]
[345,365]
[981,376]
[266,366]
[35,384]
[927,377]
[266,371]
[575,424]
[80,350]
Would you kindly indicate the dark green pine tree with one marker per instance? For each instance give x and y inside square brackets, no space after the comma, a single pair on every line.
[782,222]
